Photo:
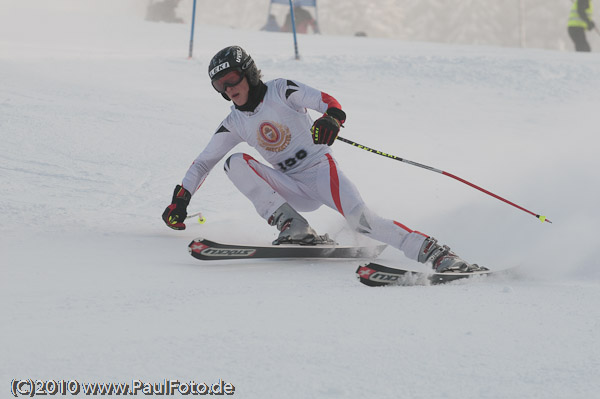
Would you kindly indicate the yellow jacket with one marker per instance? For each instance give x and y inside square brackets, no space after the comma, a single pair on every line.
[575,19]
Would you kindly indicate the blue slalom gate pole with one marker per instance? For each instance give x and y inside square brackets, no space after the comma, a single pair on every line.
[294,29]
[192,33]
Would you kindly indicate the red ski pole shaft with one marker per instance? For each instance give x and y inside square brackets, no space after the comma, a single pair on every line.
[362,147]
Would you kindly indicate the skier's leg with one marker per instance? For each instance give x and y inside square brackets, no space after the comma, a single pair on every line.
[274,195]
[338,192]
[414,244]
[331,186]
[266,187]
[391,232]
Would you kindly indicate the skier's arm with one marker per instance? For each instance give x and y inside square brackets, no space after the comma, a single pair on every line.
[300,97]
[220,144]
[325,129]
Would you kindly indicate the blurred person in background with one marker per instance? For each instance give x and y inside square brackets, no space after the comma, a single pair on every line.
[163,11]
[303,19]
[580,20]
[301,174]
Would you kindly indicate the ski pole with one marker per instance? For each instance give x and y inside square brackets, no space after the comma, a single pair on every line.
[383,154]
[201,219]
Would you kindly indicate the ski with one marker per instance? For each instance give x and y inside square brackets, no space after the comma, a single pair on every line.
[376,275]
[204,249]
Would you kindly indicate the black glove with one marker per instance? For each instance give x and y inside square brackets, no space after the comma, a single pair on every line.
[326,128]
[591,25]
[176,213]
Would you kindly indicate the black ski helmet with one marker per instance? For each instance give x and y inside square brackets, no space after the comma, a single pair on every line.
[234,58]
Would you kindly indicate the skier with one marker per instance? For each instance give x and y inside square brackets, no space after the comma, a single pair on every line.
[272,117]
[163,11]
[303,21]
[580,19]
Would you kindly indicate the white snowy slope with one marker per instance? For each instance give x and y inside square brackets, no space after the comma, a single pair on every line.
[100,117]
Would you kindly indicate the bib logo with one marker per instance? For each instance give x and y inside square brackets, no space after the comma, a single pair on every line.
[273,136]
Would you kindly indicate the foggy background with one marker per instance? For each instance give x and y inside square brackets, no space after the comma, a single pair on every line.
[448,21]
[510,23]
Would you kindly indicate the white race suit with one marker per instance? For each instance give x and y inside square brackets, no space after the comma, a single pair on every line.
[301,173]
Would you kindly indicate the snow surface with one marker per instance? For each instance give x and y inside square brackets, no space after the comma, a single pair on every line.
[100,116]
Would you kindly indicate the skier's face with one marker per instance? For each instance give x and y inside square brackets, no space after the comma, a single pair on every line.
[239,92]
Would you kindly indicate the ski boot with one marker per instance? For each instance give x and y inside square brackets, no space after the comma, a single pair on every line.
[443,260]
[294,229]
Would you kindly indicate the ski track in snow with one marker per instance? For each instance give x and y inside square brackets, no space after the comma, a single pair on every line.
[100,116]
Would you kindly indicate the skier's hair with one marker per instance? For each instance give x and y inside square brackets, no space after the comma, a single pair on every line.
[254,76]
